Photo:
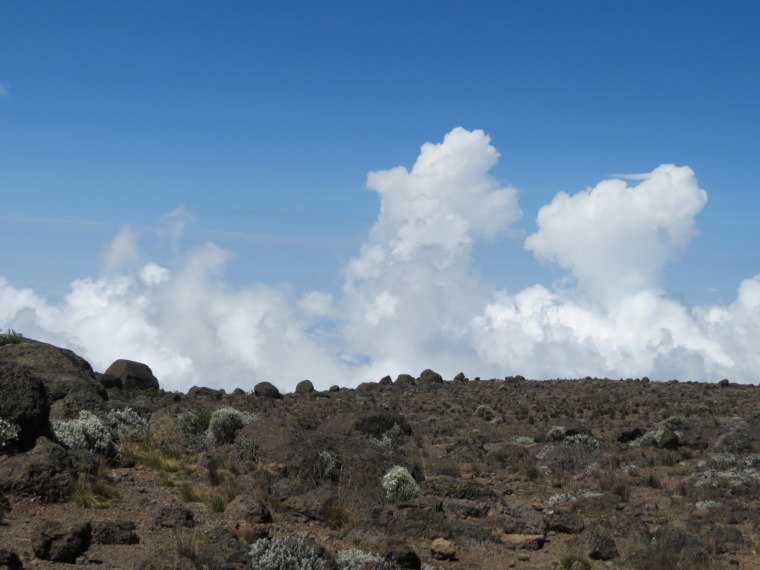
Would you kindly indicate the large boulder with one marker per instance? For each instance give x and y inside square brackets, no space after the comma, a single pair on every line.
[24,402]
[58,543]
[59,368]
[45,472]
[267,390]
[133,375]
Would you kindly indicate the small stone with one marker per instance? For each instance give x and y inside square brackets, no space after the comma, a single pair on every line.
[524,541]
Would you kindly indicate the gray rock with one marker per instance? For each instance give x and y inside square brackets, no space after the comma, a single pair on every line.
[304,387]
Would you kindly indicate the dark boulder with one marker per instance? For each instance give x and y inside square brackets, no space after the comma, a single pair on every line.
[58,543]
[224,551]
[133,375]
[597,544]
[175,517]
[24,402]
[524,520]
[203,392]
[304,387]
[46,472]
[399,553]
[60,369]
[405,380]
[9,560]
[267,390]
[117,531]
[430,377]
[560,520]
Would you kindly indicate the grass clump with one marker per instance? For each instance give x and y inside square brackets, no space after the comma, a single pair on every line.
[94,491]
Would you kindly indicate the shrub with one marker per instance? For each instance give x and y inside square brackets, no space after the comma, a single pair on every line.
[400,485]
[86,432]
[198,421]
[736,440]
[485,412]
[355,559]
[224,424]
[10,337]
[8,433]
[284,554]
[125,423]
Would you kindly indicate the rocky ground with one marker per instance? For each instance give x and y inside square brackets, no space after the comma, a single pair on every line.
[413,472]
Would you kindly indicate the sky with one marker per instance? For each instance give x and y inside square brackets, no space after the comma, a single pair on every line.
[240,191]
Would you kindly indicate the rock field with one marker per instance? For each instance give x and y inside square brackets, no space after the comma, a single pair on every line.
[417,472]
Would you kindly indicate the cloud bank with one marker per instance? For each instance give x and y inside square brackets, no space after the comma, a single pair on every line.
[411,298]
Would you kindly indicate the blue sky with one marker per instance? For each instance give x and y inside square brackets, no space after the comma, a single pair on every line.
[262,120]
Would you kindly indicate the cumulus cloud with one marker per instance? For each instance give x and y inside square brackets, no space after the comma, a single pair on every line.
[616,239]
[411,297]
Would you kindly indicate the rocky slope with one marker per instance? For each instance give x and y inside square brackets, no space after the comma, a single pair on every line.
[415,472]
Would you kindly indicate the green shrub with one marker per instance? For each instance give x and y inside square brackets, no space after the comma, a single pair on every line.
[224,424]
[399,484]
[10,337]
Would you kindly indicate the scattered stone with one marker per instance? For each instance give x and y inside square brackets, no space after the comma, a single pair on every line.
[524,541]
[114,532]
[58,543]
[224,551]
[304,387]
[597,544]
[560,520]
[399,553]
[442,549]
[133,375]
[524,520]
[246,508]
[175,517]
[267,390]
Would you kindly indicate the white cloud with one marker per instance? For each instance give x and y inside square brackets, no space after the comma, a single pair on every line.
[122,253]
[616,239]
[411,298]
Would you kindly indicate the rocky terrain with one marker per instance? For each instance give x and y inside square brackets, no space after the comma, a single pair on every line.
[412,472]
